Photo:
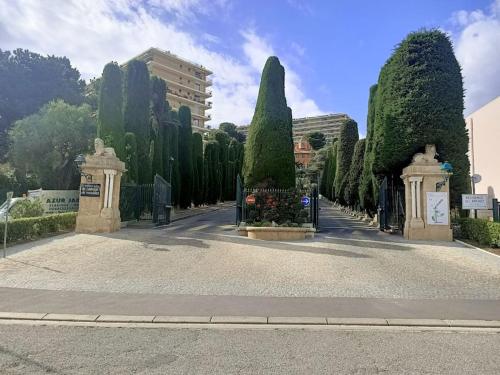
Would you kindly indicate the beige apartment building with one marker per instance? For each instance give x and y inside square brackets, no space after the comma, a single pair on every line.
[329,125]
[187,83]
[484,137]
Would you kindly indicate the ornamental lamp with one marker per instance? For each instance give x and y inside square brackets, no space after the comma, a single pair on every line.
[446,171]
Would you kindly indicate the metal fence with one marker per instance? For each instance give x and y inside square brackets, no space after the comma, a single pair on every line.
[282,206]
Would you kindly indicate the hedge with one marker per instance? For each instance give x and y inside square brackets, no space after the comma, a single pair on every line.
[33,227]
[481,231]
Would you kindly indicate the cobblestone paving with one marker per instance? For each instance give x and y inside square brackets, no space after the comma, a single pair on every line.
[202,255]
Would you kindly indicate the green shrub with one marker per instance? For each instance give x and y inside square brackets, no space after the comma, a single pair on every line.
[27,208]
[31,228]
[481,231]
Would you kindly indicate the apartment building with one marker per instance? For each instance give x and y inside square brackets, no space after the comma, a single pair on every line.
[187,83]
[329,125]
[484,132]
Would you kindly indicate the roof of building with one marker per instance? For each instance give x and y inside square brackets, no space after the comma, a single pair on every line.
[165,52]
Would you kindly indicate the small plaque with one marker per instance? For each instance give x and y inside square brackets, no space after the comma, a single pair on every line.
[90,190]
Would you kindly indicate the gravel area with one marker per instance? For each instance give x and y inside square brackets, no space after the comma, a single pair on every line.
[203,256]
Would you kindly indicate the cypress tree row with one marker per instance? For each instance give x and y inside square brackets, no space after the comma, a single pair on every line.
[175,180]
[167,149]
[235,159]
[366,196]
[223,140]
[158,114]
[136,114]
[109,115]
[348,138]
[351,193]
[198,170]
[419,102]
[269,160]
[212,172]
[131,158]
[185,157]
[332,171]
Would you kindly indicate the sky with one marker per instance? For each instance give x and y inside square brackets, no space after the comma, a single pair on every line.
[332,50]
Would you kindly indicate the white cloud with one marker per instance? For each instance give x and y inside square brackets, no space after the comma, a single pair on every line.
[476,46]
[92,33]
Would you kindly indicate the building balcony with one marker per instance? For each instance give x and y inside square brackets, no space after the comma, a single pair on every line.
[185,74]
[203,117]
[189,99]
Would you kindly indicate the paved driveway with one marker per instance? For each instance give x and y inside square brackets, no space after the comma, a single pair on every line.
[203,256]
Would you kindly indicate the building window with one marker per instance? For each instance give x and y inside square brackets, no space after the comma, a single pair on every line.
[196,122]
[197,86]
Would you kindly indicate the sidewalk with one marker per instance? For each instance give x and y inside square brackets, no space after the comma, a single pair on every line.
[94,303]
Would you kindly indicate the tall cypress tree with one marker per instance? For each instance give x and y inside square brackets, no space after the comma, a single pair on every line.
[136,114]
[212,171]
[269,158]
[348,138]
[174,145]
[366,198]
[131,157]
[158,114]
[419,102]
[198,175]
[351,193]
[223,140]
[109,115]
[167,149]
[185,156]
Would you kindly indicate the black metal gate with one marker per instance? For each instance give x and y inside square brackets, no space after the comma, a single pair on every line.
[239,200]
[162,201]
[391,213]
[146,202]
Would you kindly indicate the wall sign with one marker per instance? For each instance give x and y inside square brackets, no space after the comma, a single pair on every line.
[475,201]
[438,209]
[90,190]
[56,201]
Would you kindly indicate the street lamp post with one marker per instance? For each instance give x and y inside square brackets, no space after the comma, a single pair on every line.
[7,208]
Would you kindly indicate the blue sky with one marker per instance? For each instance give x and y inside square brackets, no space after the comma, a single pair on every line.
[332,50]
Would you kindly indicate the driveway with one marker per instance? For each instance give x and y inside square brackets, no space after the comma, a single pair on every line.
[203,255]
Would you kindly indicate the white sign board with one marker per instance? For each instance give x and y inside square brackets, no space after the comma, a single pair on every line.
[475,201]
[57,201]
[438,208]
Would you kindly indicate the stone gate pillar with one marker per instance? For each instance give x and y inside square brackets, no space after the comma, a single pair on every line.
[427,200]
[100,191]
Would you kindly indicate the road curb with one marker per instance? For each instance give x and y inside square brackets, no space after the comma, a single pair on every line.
[249,320]
[475,247]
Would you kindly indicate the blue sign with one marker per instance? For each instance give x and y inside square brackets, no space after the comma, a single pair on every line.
[305,201]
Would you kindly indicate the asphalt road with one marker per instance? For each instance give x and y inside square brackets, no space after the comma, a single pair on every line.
[28,349]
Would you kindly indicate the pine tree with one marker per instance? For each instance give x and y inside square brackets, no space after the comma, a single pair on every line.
[136,114]
[109,115]
[198,175]
[348,138]
[185,156]
[269,158]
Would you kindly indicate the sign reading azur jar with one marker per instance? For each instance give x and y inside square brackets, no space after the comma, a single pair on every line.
[56,201]
[475,201]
